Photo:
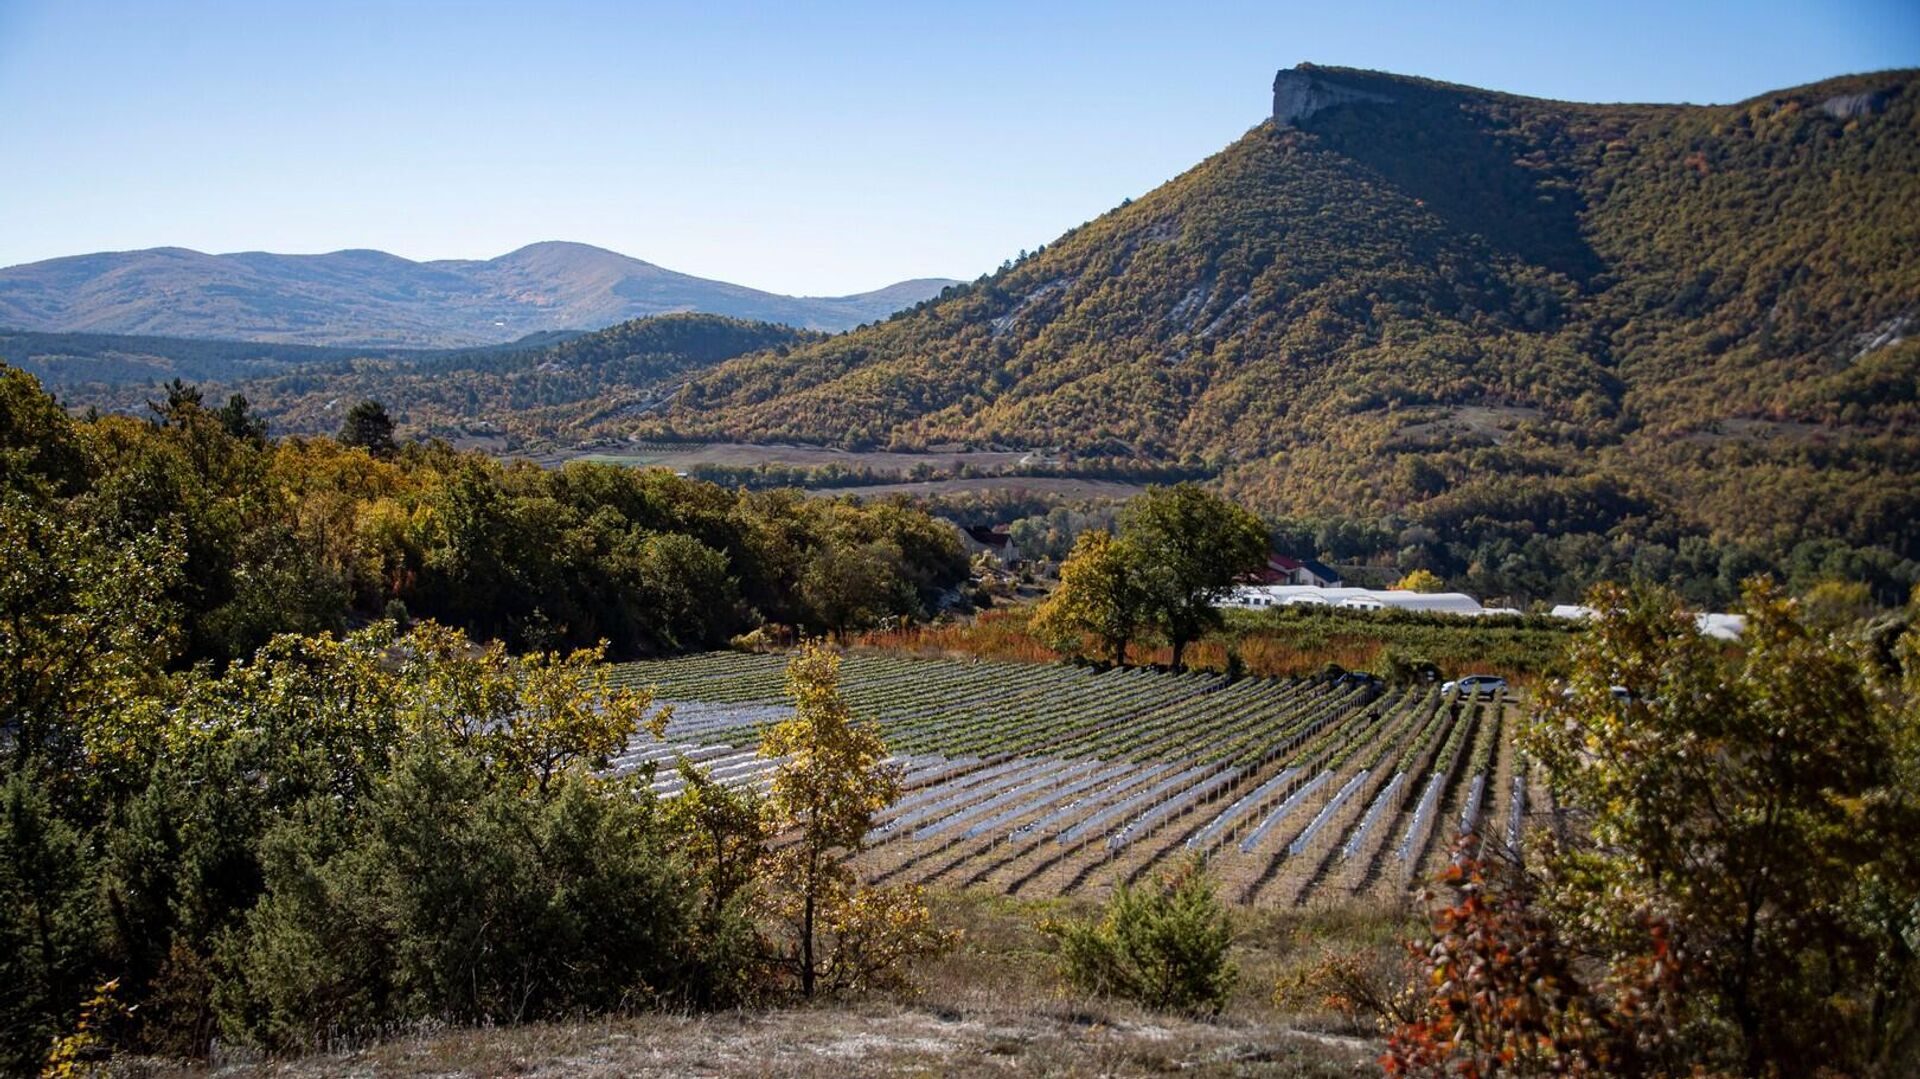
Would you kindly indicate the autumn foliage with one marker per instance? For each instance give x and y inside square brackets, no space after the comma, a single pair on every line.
[1500,993]
[1734,883]
[831,932]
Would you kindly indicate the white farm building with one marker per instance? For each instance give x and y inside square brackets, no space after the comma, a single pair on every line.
[1715,624]
[1260,596]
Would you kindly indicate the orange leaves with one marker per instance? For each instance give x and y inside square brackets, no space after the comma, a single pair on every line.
[1501,994]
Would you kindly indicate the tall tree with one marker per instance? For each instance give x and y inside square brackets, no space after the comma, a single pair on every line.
[832,779]
[242,420]
[1194,544]
[369,427]
[1103,592]
[847,586]
[183,399]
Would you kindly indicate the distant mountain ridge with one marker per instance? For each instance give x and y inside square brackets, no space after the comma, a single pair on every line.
[371,299]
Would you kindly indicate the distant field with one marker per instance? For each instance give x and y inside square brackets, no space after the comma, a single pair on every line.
[1046,780]
[741,454]
[1060,487]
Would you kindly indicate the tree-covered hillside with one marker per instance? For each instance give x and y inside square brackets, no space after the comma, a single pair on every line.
[1455,305]
[543,389]
[94,361]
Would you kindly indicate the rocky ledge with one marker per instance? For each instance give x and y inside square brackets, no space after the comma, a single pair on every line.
[1299,92]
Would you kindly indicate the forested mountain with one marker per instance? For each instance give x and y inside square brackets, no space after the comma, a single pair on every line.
[100,360]
[370,299]
[1405,297]
[542,387]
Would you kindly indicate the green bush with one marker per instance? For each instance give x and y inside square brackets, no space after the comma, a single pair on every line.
[48,916]
[452,898]
[1163,946]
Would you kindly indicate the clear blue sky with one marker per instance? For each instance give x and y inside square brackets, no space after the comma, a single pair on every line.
[801,147]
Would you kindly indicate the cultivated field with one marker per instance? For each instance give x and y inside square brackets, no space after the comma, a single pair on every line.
[741,454]
[1045,780]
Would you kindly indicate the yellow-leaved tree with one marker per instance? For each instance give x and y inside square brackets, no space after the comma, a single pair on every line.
[1421,580]
[1103,593]
[530,716]
[833,933]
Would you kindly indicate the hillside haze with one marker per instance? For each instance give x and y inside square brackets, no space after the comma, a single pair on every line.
[371,299]
[1398,295]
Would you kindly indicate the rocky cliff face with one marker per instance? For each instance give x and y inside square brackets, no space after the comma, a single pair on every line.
[1299,92]
[1854,106]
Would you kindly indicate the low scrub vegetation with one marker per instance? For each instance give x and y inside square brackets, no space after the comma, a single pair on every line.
[342,836]
[1163,945]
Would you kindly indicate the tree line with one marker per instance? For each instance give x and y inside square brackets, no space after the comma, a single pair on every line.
[227,536]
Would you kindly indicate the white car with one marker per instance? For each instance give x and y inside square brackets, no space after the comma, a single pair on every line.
[1474,685]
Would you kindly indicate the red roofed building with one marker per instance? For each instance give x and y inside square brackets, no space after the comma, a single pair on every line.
[1283,570]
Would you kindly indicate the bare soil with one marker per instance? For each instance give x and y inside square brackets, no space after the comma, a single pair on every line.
[1485,424]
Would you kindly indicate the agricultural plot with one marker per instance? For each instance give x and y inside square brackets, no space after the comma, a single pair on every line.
[1047,780]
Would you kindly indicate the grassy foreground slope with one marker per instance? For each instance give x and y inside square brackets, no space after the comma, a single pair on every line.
[992,1007]
[1462,303]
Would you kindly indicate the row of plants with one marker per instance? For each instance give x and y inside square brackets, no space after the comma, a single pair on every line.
[959,708]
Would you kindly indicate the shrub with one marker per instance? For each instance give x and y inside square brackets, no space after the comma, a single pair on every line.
[48,922]
[1163,946]
[1497,993]
[454,898]
[1401,669]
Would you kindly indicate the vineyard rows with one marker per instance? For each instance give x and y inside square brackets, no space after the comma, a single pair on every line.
[1046,780]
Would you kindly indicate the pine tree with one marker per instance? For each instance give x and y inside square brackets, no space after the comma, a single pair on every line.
[369,427]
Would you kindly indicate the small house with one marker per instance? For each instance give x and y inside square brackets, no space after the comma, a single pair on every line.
[992,539]
[1280,569]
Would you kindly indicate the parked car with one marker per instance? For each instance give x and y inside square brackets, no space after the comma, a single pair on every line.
[1358,678]
[1474,685]
[1621,694]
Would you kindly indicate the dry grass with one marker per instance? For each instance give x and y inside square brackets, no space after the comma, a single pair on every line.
[872,1039]
[993,1007]
[996,634]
